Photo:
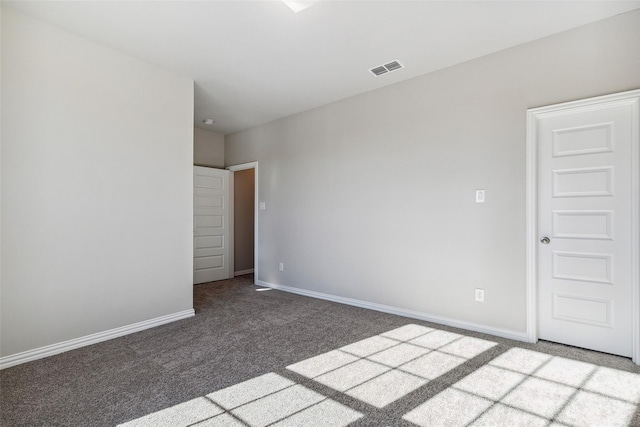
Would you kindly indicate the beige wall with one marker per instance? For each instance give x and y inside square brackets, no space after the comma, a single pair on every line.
[243,217]
[208,148]
[97,184]
[372,197]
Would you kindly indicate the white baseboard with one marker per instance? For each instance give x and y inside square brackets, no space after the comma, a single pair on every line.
[490,330]
[241,272]
[50,350]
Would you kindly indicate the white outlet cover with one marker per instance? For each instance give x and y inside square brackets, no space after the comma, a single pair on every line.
[479,196]
[263,206]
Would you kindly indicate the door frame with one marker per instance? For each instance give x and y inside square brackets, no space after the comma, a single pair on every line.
[630,97]
[239,167]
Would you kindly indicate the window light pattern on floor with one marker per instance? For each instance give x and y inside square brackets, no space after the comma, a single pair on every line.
[268,400]
[523,387]
[384,368]
[519,387]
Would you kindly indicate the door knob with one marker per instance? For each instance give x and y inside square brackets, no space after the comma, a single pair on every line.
[545,240]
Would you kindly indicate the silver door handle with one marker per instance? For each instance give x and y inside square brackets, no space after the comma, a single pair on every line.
[545,240]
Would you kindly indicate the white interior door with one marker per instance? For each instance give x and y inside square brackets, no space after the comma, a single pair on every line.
[585,213]
[211,225]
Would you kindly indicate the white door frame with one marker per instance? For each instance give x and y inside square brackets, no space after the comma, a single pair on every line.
[244,166]
[532,211]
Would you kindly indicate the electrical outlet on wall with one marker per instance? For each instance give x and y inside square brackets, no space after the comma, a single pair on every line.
[281,266]
[479,295]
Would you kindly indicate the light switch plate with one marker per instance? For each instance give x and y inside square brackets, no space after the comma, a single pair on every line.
[263,206]
[479,196]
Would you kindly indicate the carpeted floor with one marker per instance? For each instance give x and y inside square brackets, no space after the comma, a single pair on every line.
[274,358]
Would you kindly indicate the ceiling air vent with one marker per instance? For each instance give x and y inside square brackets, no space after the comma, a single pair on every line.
[392,66]
[378,71]
[386,68]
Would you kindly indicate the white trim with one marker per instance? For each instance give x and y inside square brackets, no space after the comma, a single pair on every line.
[470,326]
[243,166]
[241,272]
[256,213]
[532,228]
[532,210]
[231,258]
[635,228]
[53,349]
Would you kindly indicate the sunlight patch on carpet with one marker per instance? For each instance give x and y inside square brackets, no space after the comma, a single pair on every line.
[524,387]
[266,400]
[385,368]
[519,387]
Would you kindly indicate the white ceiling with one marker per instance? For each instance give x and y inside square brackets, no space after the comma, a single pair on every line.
[257,61]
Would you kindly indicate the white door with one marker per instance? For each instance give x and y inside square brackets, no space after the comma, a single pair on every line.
[211,224]
[585,248]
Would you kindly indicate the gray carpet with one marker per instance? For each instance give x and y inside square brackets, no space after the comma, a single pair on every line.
[242,340]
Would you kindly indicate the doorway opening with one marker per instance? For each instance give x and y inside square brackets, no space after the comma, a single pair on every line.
[245,219]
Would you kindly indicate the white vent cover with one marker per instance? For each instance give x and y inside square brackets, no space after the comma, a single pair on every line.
[386,68]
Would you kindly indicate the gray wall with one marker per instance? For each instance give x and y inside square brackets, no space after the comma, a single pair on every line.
[97,183]
[372,197]
[243,218]
[208,148]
